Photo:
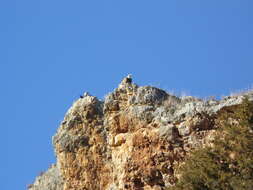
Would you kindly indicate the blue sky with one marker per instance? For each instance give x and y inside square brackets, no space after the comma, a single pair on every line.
[54,50]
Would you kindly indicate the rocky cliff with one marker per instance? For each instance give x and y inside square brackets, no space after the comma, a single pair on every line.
[135,139]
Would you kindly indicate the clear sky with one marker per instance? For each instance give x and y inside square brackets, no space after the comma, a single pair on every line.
[54,50]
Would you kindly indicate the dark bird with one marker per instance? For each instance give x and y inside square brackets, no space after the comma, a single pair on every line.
[129,78]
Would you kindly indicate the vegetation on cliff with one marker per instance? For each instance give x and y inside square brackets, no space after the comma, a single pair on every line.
[140,137]
[228,163]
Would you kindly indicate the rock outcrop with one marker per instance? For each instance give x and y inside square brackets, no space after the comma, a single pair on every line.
[135,139]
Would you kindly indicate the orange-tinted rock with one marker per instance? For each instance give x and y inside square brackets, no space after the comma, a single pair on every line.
[135,139]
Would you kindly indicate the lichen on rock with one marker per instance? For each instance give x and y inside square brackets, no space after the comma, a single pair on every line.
[135,139]
[50,180]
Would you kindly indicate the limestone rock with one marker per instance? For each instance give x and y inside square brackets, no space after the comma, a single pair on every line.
[50,180]
[149,95]
[134,139]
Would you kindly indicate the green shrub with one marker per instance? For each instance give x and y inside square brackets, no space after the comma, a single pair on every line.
[228,164]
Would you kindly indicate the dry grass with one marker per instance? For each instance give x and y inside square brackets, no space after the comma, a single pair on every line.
[241,92]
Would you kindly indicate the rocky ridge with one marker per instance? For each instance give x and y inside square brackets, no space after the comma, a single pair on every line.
[135,139]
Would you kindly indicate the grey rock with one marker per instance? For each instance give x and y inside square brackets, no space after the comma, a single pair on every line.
[226,102]
[81,105]
[149,95]
[126,85]
[75,115]
[143,112]
[149,104]
[49,180]
[69,142]
[169,132]
[111,104]
[184,130]
[186,99]
[163,115]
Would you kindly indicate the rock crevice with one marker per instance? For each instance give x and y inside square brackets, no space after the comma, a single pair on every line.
[135,139]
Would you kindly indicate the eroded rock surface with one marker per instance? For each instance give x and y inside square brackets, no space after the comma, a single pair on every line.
[135,139]
[51,179]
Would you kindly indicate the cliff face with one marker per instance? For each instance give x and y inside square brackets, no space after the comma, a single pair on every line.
[135,139]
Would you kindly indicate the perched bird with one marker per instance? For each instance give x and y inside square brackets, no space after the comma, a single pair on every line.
[129,78]
[86,94]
